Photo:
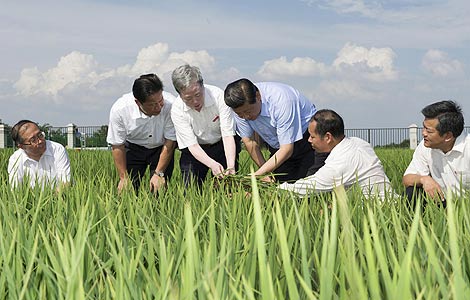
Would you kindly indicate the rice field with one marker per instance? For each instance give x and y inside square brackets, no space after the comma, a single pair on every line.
[221,242]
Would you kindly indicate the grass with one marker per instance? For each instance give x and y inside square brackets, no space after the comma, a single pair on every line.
[218,243]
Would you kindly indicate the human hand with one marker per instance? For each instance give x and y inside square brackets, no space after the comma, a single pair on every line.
[123,182]
[432,188]
[157,183]
[229,171]
[217,169]
[267,179]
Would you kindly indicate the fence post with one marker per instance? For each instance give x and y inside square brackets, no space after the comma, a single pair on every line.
[413,129]
[3,136]
[71,136]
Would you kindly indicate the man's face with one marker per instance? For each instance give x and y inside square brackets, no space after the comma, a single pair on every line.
[249,111]
[153,104]
[33,140]
[193,96]
[320,144]
[432,138]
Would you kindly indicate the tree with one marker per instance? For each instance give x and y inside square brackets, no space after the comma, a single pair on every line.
[98,138]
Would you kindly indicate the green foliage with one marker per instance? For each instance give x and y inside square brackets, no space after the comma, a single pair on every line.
[219,242]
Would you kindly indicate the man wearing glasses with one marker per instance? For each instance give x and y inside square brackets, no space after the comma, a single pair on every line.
[142,134]
[37,161]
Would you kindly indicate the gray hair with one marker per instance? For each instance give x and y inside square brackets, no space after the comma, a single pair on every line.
[184,76]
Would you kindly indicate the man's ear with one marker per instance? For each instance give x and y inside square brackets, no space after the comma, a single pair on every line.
[258,96]
[329,137]
[448,136]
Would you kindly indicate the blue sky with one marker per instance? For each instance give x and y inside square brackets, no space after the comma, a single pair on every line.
[377,63]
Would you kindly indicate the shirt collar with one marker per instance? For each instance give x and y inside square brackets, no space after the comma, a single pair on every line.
[136,113]
[48,152]
[459,144]
[264,109]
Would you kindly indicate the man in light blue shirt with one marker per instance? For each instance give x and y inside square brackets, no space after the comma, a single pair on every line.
[280,115]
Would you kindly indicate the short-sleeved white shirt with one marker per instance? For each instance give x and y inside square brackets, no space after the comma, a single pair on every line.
[447,169]
[128,123]
[208,126]
[352,161]
[53,166]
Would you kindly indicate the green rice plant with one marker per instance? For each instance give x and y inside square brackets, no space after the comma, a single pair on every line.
[235,238]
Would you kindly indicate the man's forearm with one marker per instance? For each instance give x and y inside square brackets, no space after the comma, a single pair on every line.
[254,150]
[281,155]
[168,151]
[230,151]
[412,180]
[119,156]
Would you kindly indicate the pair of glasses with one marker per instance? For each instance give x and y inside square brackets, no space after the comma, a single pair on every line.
[35,139]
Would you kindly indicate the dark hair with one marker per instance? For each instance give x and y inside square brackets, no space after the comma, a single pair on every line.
[448,113]
[15,131]
[328,121]
[145,86]
[240,92]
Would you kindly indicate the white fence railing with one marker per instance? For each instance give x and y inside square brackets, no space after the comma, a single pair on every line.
[73,136]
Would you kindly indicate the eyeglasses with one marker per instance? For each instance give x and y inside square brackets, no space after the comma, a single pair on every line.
[35,139]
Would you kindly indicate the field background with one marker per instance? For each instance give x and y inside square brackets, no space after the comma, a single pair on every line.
[220,243]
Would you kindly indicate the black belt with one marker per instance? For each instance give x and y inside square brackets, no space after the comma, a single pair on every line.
[208,146]
[132,146]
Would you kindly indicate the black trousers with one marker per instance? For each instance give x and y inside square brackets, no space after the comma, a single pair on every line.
[138,158]
[304,161]
[412,194]
[194,170]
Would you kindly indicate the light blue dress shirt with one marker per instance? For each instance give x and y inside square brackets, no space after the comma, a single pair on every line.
[285,114]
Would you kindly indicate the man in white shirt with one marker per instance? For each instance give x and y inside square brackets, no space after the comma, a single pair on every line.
[441,162]
[142,134]
[37,160]
[351,160]
[204,125]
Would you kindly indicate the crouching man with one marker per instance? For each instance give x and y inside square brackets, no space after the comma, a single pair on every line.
[38,160]
[351,160]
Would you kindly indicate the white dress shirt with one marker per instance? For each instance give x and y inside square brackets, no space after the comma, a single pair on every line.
[208,126]
[52,167]
[352,161]
[128,123]
[447,169]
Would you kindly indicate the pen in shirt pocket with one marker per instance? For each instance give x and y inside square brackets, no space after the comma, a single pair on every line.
[215,119]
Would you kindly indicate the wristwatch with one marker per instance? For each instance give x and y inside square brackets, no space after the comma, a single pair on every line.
[159,173]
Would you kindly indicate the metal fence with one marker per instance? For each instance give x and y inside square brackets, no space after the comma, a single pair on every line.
[95,136]
[382,137]
[79,136]
[389,137]
[84,136]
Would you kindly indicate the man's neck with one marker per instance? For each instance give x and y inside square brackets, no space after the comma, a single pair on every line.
[448,146]
[35,157]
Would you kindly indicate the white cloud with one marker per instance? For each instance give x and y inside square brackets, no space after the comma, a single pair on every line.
[349,6]
[344,89]
[375,63]
[72,68]
[149,58]
[439,63]
[299,66]
[78,70]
